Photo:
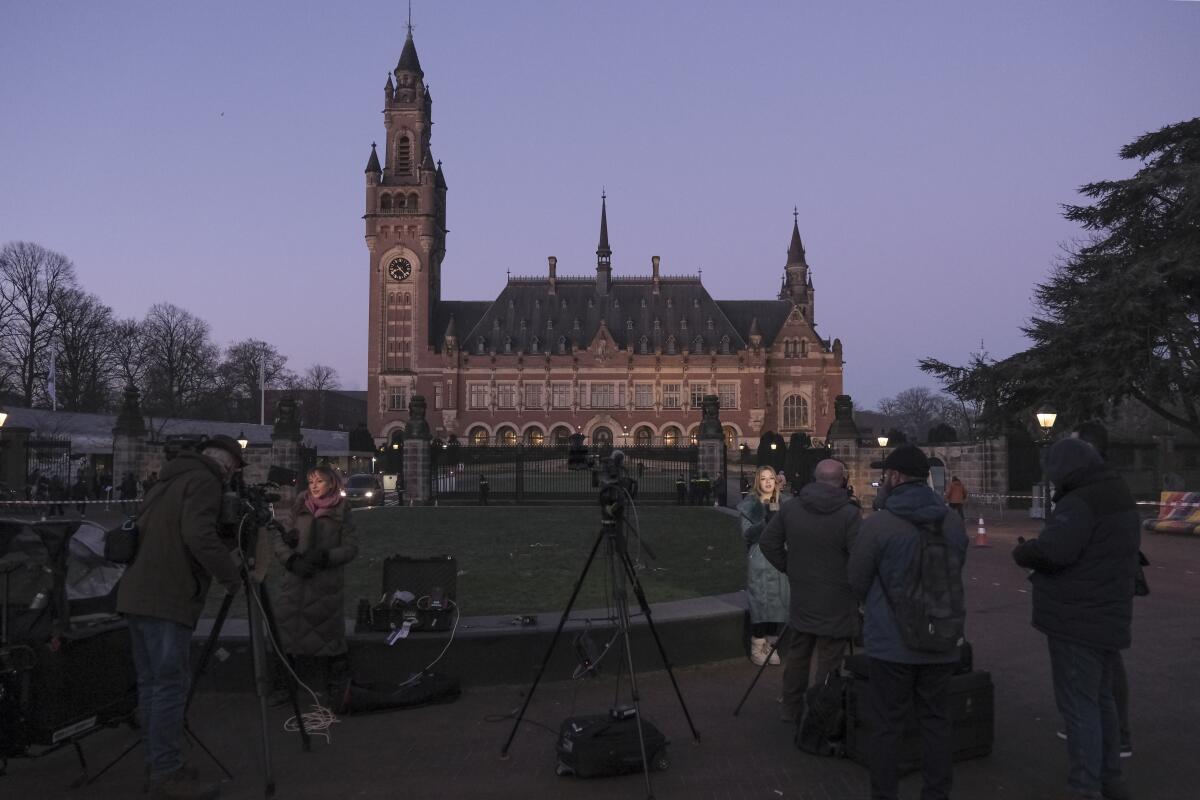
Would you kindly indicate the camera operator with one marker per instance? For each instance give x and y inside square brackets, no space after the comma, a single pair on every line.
[162,594]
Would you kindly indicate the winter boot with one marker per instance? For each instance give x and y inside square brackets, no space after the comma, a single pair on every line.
[758,651]
[772,648]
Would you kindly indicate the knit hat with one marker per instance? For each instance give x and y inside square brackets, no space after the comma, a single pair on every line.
[906,459]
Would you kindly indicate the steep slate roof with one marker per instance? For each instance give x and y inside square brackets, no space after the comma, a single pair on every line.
[683,309]
[408,57]
[770,314]
[465,314]
[373,161]
[796,247]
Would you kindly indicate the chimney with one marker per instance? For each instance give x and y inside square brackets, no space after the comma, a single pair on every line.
[553,273]
[654,266]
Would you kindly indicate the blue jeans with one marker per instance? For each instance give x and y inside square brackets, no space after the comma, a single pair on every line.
[1083,690]
[162,657]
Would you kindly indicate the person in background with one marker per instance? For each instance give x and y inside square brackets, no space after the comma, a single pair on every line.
[810,540]
[1084,565]
[79,493]
[766,587]
[310,609]
[956,496]
[484,488]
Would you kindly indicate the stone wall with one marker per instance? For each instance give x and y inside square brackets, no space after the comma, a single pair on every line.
[981,466]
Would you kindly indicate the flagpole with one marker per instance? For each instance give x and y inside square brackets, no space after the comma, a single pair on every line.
[262,392]
[52,384]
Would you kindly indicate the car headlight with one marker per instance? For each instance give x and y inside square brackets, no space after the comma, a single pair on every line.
[368,494]
[343,492]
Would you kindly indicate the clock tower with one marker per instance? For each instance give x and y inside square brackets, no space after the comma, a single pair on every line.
[406,241]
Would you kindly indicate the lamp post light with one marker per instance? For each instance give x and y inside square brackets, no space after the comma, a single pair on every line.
[242,440]
[882,440]
[1045,420]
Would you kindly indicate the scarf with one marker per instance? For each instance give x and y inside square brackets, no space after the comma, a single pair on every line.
[322,506]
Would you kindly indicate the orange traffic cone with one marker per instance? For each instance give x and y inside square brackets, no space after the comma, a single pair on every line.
[981,535]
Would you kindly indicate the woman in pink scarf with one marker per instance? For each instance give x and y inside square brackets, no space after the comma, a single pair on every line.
[310,608]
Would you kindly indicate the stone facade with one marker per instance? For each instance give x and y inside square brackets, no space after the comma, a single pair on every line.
[620,359]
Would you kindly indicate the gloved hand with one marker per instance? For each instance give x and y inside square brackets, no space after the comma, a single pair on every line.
[299,565]
[318,557]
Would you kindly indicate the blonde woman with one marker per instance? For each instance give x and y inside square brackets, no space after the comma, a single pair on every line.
[766,586]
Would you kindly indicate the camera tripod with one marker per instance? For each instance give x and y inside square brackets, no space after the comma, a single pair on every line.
[622,575]
[261,622]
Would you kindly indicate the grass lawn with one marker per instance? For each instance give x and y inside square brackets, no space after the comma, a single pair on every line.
[526,560]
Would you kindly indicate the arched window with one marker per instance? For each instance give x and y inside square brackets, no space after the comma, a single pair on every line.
[670,345]
[643,436]
[644,345]
[479,436]
[506,436]
[803,347]
[403,154]
[730,437]
[385,202]
[407,299]
[692,436]
[400,201]
[412,202]
[795,412]
[697,345]
[534,436]
[561,435]
[602,436]
[671,436]
[724,345]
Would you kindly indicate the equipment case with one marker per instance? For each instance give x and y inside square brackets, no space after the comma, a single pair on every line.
[424,578]
[599,746]
[971,715]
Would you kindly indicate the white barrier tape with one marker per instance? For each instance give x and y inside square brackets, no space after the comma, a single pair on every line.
[66,502]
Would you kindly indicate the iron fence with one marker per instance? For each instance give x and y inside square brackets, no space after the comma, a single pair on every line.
[539,473]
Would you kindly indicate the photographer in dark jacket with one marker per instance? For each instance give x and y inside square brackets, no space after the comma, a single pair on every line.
[810,540]
[162,594]
[1084,562]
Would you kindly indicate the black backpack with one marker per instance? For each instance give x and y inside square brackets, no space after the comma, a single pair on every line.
[821,729]
[929,610]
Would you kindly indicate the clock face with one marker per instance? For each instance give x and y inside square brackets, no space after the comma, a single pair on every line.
[399,269]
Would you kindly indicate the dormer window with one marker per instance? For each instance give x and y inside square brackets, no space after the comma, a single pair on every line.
[562,344]
[710,323]
[697,345]
[479,345]
[508,344]
[644,345]
[533,345]
[670,345]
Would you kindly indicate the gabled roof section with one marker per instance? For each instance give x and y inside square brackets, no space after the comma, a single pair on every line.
[527,318]
[770,316]
[464,313]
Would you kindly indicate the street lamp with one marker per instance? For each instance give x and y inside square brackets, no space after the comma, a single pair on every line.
[3,416]
[241,440]
[883,440]
[1045,420]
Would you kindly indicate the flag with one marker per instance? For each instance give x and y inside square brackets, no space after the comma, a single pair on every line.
[51,389]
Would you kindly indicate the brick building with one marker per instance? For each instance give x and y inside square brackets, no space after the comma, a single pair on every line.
[621,358]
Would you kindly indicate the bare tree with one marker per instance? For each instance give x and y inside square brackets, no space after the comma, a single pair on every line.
[85,351]
[247,362]
[181,360]
[31,277]
[916,410]
[320,378]
[129,352]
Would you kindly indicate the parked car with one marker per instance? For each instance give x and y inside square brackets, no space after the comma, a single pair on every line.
[363,490]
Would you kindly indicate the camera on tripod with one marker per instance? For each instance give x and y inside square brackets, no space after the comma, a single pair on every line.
[253,500]
[609,475]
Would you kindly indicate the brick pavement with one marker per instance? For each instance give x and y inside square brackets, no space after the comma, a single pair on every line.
[452,751]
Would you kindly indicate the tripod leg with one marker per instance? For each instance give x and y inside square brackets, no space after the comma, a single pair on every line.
[258,652]
[622,597]
[209,646]
[553,641]
[759,673]
[662,651]
[273,627]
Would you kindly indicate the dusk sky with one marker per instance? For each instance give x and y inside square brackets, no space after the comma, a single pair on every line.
[211,154]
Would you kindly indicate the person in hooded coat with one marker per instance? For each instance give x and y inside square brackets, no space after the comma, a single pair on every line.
[766,587]
[1084,564]
[310,609]
[810,540]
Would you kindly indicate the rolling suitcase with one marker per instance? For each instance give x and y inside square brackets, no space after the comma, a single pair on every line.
[599,746]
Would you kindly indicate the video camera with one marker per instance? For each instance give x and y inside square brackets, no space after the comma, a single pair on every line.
[609,475]
[253,500]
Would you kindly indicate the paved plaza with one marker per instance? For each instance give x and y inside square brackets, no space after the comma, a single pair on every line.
[453,751]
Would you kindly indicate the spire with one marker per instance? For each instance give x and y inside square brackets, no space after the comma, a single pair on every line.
[603,249]
[373,163]
[408,56]
[796,248]
[440,177]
